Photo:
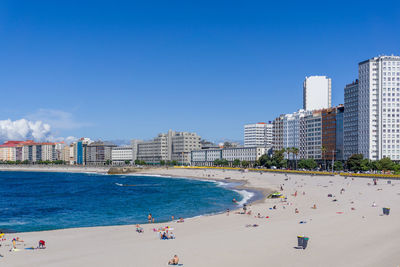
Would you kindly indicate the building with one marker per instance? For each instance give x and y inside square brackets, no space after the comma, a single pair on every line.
[286,131]
[99,153]
[312,139]
[80,150]
[171,146]
[207,157]
[317,93]
[258,135]
[350,120]
[340,133]
[134,145]
[8,151]
[332,133]
[379,108]
[121,155]
[68,154]
[277,133]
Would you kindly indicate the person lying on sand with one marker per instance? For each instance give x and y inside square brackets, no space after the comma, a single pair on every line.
[174,260]
[181,220]
[251,225]
[259,216]
[139,229]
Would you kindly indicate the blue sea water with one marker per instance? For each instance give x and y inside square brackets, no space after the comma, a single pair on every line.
[35,201]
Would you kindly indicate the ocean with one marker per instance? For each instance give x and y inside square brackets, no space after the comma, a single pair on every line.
[37,201]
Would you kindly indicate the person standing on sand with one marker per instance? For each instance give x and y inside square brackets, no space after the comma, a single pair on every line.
[149,217]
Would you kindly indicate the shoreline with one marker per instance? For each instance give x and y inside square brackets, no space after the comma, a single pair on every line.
[52,168]
[259,195]
[345,232]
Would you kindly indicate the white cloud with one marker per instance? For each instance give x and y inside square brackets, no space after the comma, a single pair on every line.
[23,129]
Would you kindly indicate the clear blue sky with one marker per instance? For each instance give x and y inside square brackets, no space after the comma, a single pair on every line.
[121,70]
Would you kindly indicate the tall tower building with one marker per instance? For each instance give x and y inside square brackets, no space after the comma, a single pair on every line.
[350,120]
[258,135]
[379,107]
[317,93]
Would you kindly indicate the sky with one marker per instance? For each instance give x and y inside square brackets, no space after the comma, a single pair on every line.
[132,69]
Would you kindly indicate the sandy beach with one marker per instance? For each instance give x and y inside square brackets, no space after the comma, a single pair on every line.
[345,232]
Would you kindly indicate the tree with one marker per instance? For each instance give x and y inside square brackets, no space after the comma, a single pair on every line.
[278,158]
[108,162]
[127,162]
[262,161]
[323,152]
[295,152]
[224,162]
[308,164]
[217,162]
[245,164]
[338,166]
[162,162]
[236,163]
[288,151]
[385,164]
[354,162]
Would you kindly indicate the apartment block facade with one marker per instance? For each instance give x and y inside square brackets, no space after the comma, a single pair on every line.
[379,108]
[171,146]
[207,157]
[317,93]
[258,135]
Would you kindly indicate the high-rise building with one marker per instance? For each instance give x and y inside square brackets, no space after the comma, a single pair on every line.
[339,133]
[313,136]
[379,108]
[350,120]
[258,135]
[134,145]
[287,130]
[317,93]
[171,146]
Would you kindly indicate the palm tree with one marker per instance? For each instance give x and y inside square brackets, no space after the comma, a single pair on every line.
[289,151]
[295,152]
[323,151]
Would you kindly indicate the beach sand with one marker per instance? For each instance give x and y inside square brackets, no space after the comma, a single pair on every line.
[359,237]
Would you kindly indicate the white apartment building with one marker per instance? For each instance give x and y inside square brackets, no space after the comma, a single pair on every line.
[379,108]
[258,134]
[134,145]
[207,157]
[312,138]
[121,154]
[287,130]
[317,93]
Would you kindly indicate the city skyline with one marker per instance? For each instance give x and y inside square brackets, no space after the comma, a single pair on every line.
[133,71]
